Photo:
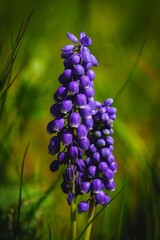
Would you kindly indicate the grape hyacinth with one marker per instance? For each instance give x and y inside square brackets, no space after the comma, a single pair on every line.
[82,129]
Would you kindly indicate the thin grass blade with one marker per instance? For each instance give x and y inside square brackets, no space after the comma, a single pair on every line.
[20,191]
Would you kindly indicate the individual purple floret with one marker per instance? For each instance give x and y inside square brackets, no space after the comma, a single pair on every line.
[82,129]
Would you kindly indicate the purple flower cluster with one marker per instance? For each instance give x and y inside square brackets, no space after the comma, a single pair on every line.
[82,128]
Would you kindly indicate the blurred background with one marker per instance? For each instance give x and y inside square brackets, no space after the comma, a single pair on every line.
[126,42]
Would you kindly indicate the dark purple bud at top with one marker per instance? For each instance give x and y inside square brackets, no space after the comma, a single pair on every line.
[96,185]
[74,119]
[73,87]
[68,48]
[70,198]
[86,112]
[54,166]
[90,73]
[84,81]
[108,102]
[55,110]
[84,143]
[93,60]
[85,187]
[78,69]
[72,37]
[75,58]
[80,165]
[89,92]
[66,106]
[82,207]
[92,170]
[67,138]
[101,198]
[105,152]
[88,122]
[113,166]
[102,167]
[82,131]
[110,185]
[86,41]
[73,152]
[81,100]
[101,143]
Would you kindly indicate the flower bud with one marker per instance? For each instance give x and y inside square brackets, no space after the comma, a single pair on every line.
[82,207]
[72,37]
[73,87]
[92,170]
[54,166]
[81,100]
[74,119]
[102,167]
[85,187]
[90,73]
[78,69]
[70,198]
[82,131]
[68,48]
[67,138]
[80,165]
[96,185]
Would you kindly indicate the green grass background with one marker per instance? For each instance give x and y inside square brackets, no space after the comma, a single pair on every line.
[126,42]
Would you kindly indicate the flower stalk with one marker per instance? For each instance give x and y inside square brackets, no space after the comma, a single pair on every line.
[89,220]
[73,220]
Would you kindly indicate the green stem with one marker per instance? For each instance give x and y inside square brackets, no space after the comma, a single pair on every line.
[89,220]
[73,219]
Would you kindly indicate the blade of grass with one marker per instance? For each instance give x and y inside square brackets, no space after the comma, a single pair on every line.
[16,47]
[20,192]
[100,211]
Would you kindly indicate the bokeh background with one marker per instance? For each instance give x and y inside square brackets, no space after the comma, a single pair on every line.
[126,42]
